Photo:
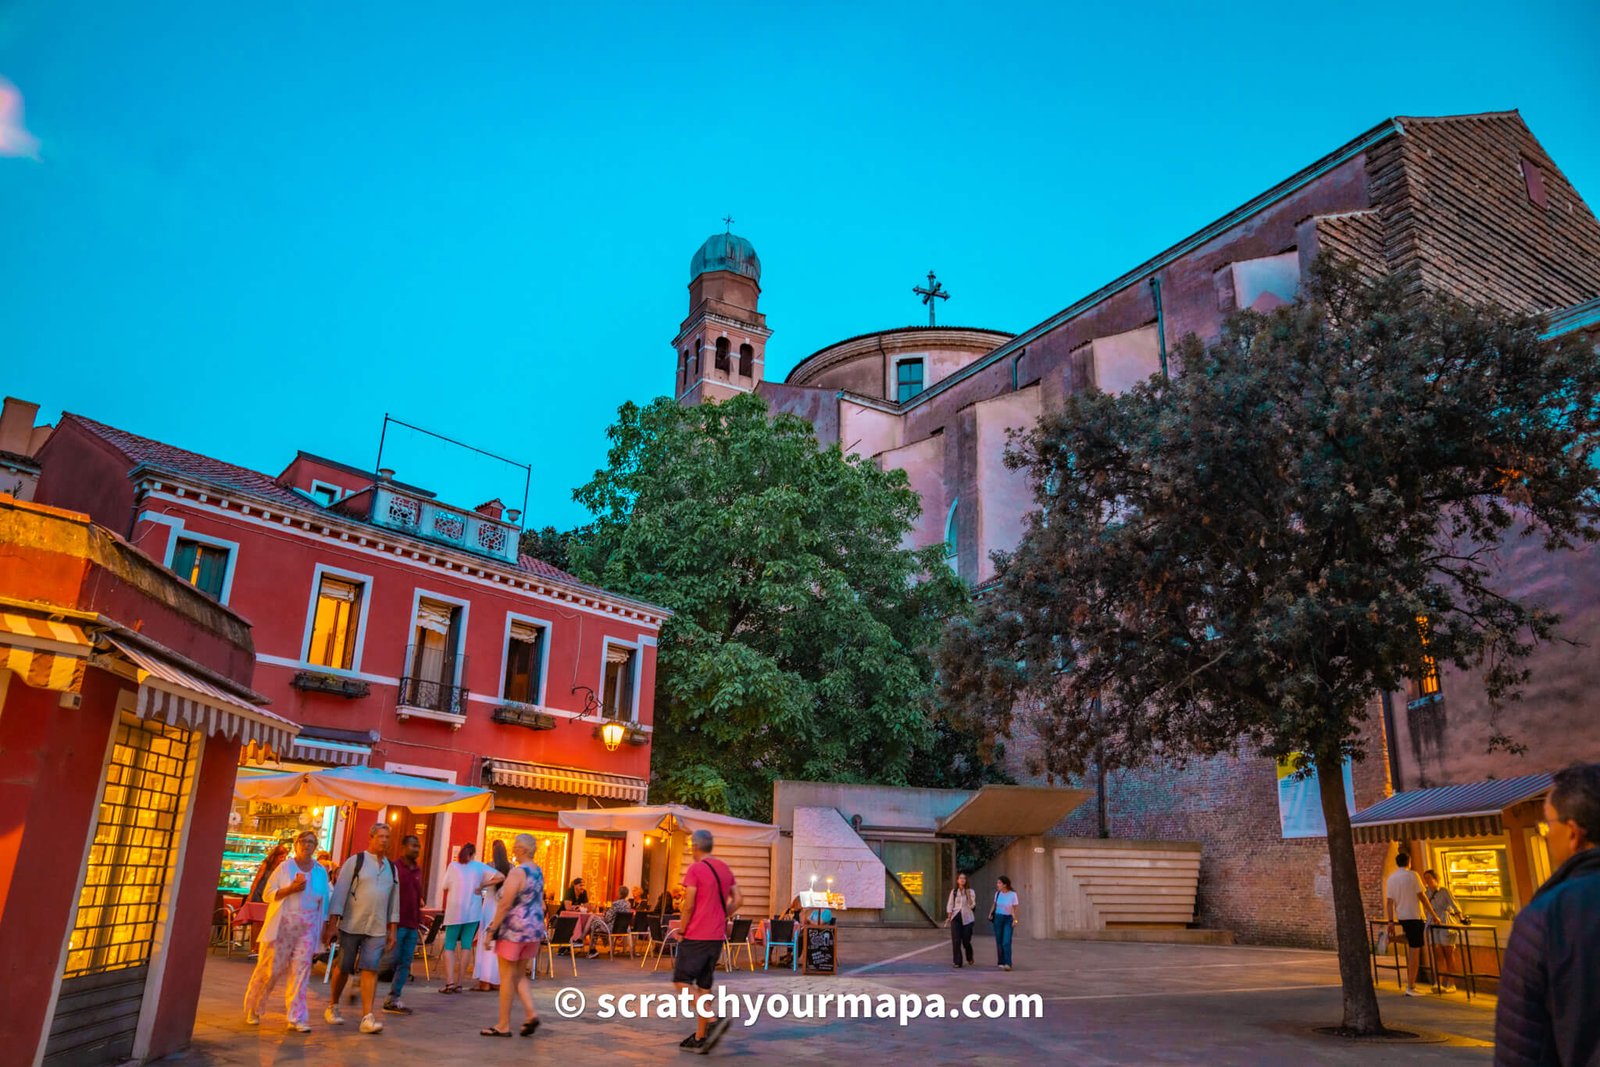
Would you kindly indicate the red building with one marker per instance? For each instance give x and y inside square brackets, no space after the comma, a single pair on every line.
[124,700]
[401,633]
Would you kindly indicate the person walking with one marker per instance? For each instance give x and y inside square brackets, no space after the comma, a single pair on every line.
[1406,902]
[463,913]
[409,880]
[710,898]
[297,894]
[960,915]
[518,928]
[486,965]
[1003,914]
[1443,941]
[365,914]
[1550,979]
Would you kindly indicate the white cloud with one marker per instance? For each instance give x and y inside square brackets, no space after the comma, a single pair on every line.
[15,140]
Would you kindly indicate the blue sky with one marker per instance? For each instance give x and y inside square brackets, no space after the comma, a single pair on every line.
[251,229]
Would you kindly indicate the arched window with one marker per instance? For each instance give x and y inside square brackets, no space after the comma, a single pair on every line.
[952,551]
[747,360]
[722,354]
[694,367]
[683,368]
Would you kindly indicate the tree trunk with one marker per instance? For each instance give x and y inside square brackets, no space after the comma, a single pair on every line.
[1349,913]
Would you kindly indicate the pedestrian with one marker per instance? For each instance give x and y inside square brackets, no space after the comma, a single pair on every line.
[1406,903]
[486,965]
[1003,914]
[710,898]
[409,881]
[1443,941]
[960,916]
[297,905]
[1550,979]
[365,914]
[268,864]
[463,913]
[518,928]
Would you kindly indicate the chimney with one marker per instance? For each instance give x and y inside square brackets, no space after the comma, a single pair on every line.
[492,509]
[16,426]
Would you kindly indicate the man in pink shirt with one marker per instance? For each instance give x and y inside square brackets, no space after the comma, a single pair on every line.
[710,898]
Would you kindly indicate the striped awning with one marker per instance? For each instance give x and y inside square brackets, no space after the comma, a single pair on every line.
[174,695]
[554,779]
[43,653]
[1470,810]
[308,750]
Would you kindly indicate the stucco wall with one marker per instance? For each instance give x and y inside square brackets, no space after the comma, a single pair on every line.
[1003,498]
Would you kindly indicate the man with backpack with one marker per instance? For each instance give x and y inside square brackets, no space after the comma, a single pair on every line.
[710,898]
[365,913]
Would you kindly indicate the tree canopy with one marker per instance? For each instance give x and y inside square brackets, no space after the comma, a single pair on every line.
[800,644]
[1242,558]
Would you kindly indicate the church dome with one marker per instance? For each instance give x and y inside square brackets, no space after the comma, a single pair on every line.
[726,251]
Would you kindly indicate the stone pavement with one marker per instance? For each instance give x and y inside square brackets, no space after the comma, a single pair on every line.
[1103,1003]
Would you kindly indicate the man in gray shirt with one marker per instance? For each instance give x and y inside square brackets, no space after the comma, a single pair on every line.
[365,912]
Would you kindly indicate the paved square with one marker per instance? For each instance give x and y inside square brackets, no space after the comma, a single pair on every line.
[1102,1003]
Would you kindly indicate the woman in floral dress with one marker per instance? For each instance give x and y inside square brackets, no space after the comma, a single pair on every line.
[297,895]
[518,930]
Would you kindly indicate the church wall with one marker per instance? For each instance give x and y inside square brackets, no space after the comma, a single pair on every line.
[1003,497]
[820,407]
[923,461]
[866,431]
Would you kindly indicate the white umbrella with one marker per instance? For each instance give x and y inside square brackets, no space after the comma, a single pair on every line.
[668,818]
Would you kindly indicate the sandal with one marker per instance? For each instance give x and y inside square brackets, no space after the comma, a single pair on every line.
[450,989]
[529,1027]
[490,1031]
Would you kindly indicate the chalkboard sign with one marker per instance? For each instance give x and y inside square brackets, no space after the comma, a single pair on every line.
[821,950]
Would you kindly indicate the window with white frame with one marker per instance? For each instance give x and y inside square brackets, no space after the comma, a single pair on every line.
[204,566]
[335,622]
[524,680]
[617,699]
[435,641]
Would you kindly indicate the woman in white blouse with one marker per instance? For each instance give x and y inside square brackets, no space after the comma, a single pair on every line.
[486,965]
[960,918]
[297,895]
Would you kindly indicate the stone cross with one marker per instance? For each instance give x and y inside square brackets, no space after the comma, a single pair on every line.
[934,291]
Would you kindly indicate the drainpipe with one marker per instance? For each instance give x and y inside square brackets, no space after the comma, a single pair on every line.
[1016,360]
[1161,322]
[1391,743]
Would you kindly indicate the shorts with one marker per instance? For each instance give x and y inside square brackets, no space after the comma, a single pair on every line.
[1442,937]
[459,935]
[696,962]
[512,951]
[359,952]
[1414,930]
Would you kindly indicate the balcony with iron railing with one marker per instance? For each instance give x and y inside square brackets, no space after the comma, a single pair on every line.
[430,520]
[428,690]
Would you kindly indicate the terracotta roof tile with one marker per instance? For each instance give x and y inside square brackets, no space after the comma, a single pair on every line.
[143,450]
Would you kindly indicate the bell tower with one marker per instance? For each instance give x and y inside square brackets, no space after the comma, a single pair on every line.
[720,350]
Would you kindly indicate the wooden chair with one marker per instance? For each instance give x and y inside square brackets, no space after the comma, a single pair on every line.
[739,937]
[781,934]
[562,936]
[434,926]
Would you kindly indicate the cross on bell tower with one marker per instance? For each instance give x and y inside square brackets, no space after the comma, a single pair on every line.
[935,291]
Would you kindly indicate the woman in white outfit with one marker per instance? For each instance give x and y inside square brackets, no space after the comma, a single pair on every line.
[297,894]
[486,965]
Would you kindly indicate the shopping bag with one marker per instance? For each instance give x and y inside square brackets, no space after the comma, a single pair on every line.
[1383,941]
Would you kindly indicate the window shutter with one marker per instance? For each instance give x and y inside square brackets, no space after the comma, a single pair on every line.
[618,654]
[526,631]
[338,589]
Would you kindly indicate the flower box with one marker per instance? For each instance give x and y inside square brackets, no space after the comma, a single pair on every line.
[315,682]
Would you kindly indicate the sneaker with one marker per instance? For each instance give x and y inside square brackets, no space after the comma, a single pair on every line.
[396,1007]
[1449,987]
[252,1019]
[331,1016]
[692,1043]
[298,1028]
[714,1034]
[594,954]
[1005,966]
[371,1025]
[1415,992]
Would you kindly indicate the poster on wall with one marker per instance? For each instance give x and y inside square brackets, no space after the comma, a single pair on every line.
[1300,800]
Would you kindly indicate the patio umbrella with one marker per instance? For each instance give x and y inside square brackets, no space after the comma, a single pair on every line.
[670,818]
[363,785]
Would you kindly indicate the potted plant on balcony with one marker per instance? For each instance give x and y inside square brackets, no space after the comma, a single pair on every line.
[514,714]
[321,682]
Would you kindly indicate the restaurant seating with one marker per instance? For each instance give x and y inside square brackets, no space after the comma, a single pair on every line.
[622,929]
[563,936]
[435,924]
[661,940]
[738,937]
[781,934]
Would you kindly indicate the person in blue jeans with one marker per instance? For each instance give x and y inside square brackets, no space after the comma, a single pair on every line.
[1004,917]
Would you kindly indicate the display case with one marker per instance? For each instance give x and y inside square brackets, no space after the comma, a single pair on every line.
[241,857]
[1479,879]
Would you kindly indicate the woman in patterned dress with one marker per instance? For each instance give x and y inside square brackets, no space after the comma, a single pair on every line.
[518,929]
[297,894]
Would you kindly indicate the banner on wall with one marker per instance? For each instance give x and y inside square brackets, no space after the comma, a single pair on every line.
[1300,800]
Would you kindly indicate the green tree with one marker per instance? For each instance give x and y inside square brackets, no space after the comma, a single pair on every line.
[550,545]
[1241,559]
[800,644]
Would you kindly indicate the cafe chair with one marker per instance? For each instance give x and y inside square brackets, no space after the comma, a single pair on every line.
[739,938]
[781,934]
[621,930]
[435,924]
[563,936]
[661,941]
[639,932]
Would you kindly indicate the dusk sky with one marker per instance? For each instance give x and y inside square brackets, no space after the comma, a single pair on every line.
[249,229]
